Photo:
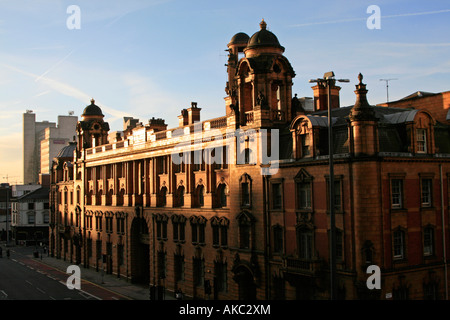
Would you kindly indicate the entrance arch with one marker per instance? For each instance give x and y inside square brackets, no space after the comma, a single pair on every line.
[140,252]
[246,284]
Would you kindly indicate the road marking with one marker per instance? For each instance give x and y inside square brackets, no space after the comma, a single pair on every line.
[52,298]
[4,294]
[84,294]
[14,260]
[28,282]
[40,290]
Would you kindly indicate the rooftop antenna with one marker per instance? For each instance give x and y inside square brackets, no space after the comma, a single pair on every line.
[387,87]
[71,113]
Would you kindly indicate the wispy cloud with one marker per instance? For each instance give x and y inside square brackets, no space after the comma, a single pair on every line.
[69,90]
[365,18]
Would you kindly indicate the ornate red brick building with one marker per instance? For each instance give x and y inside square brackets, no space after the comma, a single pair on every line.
[236,207]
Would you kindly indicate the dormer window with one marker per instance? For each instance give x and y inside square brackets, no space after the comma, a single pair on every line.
[421,135]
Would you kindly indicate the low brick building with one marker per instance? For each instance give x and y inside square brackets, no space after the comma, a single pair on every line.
[236,207]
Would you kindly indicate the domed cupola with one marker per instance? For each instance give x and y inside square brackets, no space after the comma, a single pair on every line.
[263,41]
[239,38]
[92,111]
[67,151]
[92,130]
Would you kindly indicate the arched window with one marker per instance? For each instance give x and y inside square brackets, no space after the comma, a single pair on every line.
[246,190]
[222,195]
[246,221]
[200,193]
[180,196]
[163,197]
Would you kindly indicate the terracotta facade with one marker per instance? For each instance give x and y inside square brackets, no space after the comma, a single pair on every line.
[158,207]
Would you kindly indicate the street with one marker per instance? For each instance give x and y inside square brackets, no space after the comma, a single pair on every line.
[22,281]
[25,278]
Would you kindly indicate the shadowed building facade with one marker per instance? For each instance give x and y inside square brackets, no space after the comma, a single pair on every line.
[236,207]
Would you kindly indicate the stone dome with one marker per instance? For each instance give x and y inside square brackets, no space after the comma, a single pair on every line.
[239,38]
[67,151]
[264,38]
[92,110]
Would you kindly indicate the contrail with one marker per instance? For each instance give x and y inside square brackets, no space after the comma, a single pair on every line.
[361,19]
[54,66]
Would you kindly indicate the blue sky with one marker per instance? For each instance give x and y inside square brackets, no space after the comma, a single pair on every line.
[152,58]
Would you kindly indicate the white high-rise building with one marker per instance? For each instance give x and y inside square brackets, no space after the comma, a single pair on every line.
[42,141]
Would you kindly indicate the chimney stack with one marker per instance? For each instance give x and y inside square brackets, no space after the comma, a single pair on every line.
[321,97]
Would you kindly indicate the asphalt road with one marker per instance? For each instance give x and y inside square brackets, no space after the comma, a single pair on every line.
[20,280]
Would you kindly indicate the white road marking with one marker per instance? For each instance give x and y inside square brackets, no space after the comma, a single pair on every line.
[40,290]
[28,282]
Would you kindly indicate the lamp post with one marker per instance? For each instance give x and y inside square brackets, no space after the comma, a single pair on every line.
[7,210]
[329,81]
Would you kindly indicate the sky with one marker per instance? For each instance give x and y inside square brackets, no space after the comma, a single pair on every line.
[152,58]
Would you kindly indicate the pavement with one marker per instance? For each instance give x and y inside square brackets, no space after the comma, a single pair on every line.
[110,282]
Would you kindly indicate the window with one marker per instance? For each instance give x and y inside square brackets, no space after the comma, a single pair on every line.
[161,227]
[245,183]
[426,192]
[198,230]
[98,247]
[30,205]
[199,271]
[89,248]
[220,231]
[304,195]
[245,194]
[396,193]
[180,196]
[120,225]
[399,244]
[277,239]
[178,227]
[244,235]
[337,195]
[305,144]
[421,140]
[179,267]
[339,245]
[305,244]
[220,273]
[120,254]
[78,196]
[245,221]
[277,198]
[109,224]
[428,241]
[162,264]
[31,218]
[46,217]
[201,195]
[163,197]
[222,192]
[98,223]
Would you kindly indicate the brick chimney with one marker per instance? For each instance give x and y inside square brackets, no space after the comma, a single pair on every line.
[193,113]
[183,118]
[157,124]
[321,97]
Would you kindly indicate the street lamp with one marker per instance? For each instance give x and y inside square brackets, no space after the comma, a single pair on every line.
[329,81]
